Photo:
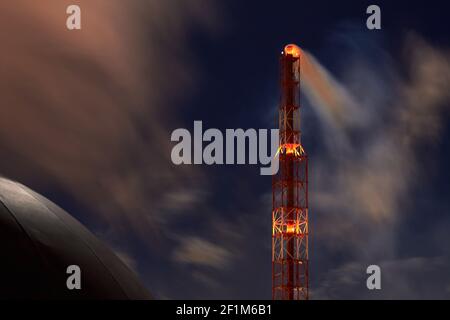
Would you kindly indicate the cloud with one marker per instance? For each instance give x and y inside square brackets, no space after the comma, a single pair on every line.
[86,110]
[408,278]
[375,119]
[366,171]
[201,252]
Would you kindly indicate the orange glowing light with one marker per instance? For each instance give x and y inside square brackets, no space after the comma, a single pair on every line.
[290,228]
[293,50]
[291,148]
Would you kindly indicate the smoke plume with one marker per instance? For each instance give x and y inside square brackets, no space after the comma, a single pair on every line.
[375,120]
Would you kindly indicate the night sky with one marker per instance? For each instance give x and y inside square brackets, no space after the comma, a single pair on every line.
[86,118]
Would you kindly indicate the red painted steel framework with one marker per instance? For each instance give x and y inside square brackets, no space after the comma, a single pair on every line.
[290,190]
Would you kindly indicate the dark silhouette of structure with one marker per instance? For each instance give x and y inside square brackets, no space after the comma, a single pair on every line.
[39,240]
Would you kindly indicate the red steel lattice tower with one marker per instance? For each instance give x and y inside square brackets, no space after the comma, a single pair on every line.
[290,190]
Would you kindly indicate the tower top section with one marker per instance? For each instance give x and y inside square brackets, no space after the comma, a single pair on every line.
[293,50]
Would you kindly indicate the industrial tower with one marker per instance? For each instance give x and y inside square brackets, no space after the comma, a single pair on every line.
[290,190]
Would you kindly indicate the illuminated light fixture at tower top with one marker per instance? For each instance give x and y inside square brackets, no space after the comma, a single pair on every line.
[293,50]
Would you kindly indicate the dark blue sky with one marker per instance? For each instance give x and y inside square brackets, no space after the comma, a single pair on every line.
[96,113]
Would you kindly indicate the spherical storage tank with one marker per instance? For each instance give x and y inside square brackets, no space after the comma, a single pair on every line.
[39,240]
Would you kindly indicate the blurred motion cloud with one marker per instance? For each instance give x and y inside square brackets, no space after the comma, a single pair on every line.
[375,120]
[84,109]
